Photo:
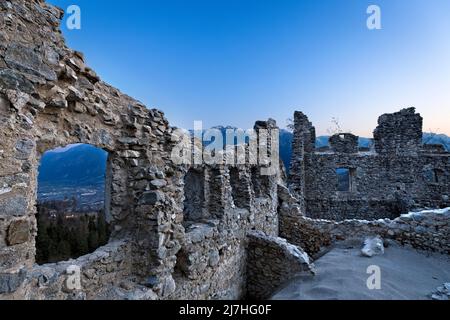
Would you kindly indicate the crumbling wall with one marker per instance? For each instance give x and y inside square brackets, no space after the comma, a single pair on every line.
[107,267]
[399,133]
[271,262]
[50,98]
[426,230]
[398,175]
[167,243]
[303,143]
[344,143]
[212,261]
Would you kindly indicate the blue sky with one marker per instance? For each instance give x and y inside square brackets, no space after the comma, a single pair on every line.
[232,62]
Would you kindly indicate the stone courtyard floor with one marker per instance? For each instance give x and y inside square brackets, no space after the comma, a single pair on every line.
[342,274]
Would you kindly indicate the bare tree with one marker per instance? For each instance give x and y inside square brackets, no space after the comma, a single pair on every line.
[290,126]
[335,127]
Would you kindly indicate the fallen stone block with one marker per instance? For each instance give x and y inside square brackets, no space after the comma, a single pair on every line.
[373,247]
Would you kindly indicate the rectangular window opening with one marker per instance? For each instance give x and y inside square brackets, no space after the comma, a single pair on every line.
[345,178]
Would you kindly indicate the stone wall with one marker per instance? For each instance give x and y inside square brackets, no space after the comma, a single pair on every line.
[396,176]
[271,262]
[426,230]
[344,143]
[399,133]
[175,235]
[180,231]
[106,268]
[211,263]
[50,98]
[303,143]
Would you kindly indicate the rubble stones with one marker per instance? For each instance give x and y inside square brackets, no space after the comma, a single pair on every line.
[24,147]
[151,198]
[373,246]
[10,79]
[158,183]
[10,282]
[17,99]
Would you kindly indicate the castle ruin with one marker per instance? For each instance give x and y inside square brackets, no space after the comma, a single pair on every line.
[398,173]
[182,231]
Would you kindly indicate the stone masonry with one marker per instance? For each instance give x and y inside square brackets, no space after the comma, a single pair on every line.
[184,231]
[397,175]
[290,261]
[424,230]
[179,231]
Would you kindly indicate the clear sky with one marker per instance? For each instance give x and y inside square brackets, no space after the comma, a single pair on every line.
[231,62]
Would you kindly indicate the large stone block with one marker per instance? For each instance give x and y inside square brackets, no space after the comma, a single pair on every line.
[14,206]
[151,198]
[25,59]
[24,147]
[10,282]
[10,79]
[18,232]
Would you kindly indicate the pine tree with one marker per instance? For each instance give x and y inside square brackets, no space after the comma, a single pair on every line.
[93,235]
[82,236]
[42,240]
[63,250]
[102,228]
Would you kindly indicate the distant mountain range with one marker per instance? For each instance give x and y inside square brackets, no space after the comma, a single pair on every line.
[431,138]
[66,171]
[76,171]
[78,165]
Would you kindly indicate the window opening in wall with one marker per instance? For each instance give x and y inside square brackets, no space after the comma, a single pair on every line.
[433,175]
[237,189]
[345,178]
[194,195]
[261,183]
[71,206]
[438,175]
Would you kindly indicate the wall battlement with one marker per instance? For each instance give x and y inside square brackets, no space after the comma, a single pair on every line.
[344,143]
